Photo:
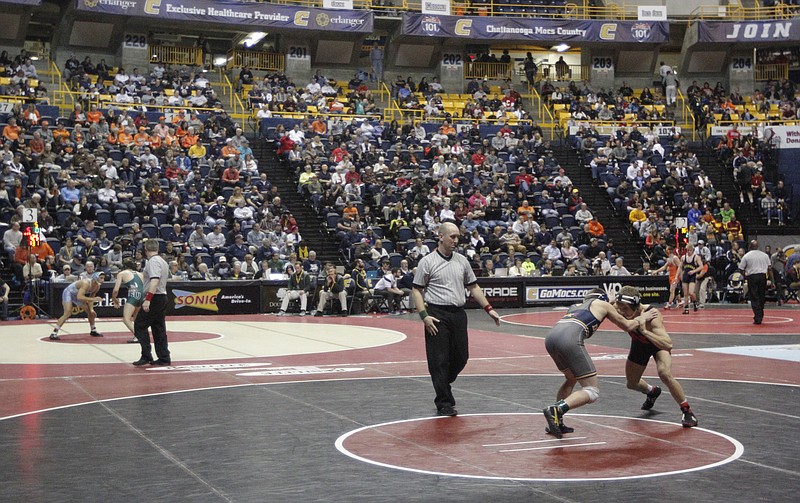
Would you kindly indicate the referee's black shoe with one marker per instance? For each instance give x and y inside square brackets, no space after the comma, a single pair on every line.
[446,410]
[95,333]
[553,417]
[651,398]
[142,361]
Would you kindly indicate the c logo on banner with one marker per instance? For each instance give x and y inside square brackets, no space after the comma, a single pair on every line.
[608,31]
[301,18]
[153,7]
[463,27]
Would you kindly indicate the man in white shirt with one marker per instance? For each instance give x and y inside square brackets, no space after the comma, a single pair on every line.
[107,196]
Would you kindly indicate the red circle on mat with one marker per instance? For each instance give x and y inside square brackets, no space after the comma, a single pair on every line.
[123,337]
[707,321]
[515,446]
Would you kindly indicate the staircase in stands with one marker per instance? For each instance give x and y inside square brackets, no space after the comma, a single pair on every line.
[311,224]
[615,224]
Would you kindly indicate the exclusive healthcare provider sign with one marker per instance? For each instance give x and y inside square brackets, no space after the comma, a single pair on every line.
[262,15]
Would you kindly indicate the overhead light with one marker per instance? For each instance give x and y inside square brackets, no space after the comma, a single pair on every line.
[220,61]
[253,38]
[34,58]
[560,48]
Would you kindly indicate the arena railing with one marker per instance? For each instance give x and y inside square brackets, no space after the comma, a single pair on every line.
[771,71]
[577,9]
[571,72]
[490,71]
[736,12]
[688,114]
[176,55]
[256,60]
[608,127]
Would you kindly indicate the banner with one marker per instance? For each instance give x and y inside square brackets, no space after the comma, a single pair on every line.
[610,130]
[550,30]
[254,15]
[500,292]
[783,137]
[23,2]
[749,31]
[569,290]
[183,298]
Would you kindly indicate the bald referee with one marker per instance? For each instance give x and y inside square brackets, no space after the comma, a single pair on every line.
[154,309]
[439,285]
[755,266]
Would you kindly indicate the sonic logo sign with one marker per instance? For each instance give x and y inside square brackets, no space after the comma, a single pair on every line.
[199,300]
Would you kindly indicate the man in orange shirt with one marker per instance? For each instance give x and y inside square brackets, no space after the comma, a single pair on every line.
[526,211]
[189,139]
[319,126]
[60,132]
[12,131]
[229,151]
[94,115]
[125,137]
[141,138]
[595,228]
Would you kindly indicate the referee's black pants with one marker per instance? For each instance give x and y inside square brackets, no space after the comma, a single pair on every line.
[447,351]
[757,288]
[156,319]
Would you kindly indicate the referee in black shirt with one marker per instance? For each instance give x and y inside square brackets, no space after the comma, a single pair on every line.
[439,296]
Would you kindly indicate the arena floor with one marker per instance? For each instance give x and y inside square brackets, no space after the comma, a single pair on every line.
[261,408]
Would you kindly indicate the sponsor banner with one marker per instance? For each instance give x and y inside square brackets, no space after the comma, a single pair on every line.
[183,298]
[560,290]
[745,128]
[261,15]
[23,2]
[436,7]
[224,297]
[748,31]
[611,130]
[272,293]
[783,137]
[500,292]
[551,30]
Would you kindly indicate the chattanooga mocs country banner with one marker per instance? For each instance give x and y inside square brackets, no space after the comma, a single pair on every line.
[552,30]
[262,15]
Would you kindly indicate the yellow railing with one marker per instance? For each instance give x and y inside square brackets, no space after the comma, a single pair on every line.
[491,71]
[256,60]
[739,13]
[772,71]
[688,114]
[237,107]
[163,108]
[605,126]
[576,9]
[65,100]
[564,74]
[176,55]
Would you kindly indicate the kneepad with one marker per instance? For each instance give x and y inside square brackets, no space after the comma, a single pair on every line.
[593,392]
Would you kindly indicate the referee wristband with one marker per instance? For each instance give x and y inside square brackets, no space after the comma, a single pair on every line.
[423,314]
[488,307]
[149,296]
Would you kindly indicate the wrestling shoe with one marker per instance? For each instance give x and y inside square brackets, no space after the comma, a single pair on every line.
[55,337]
[651,398]
[686,309]
[95,333]
[564,429]
[688,419]
[553,417]
[694,306]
